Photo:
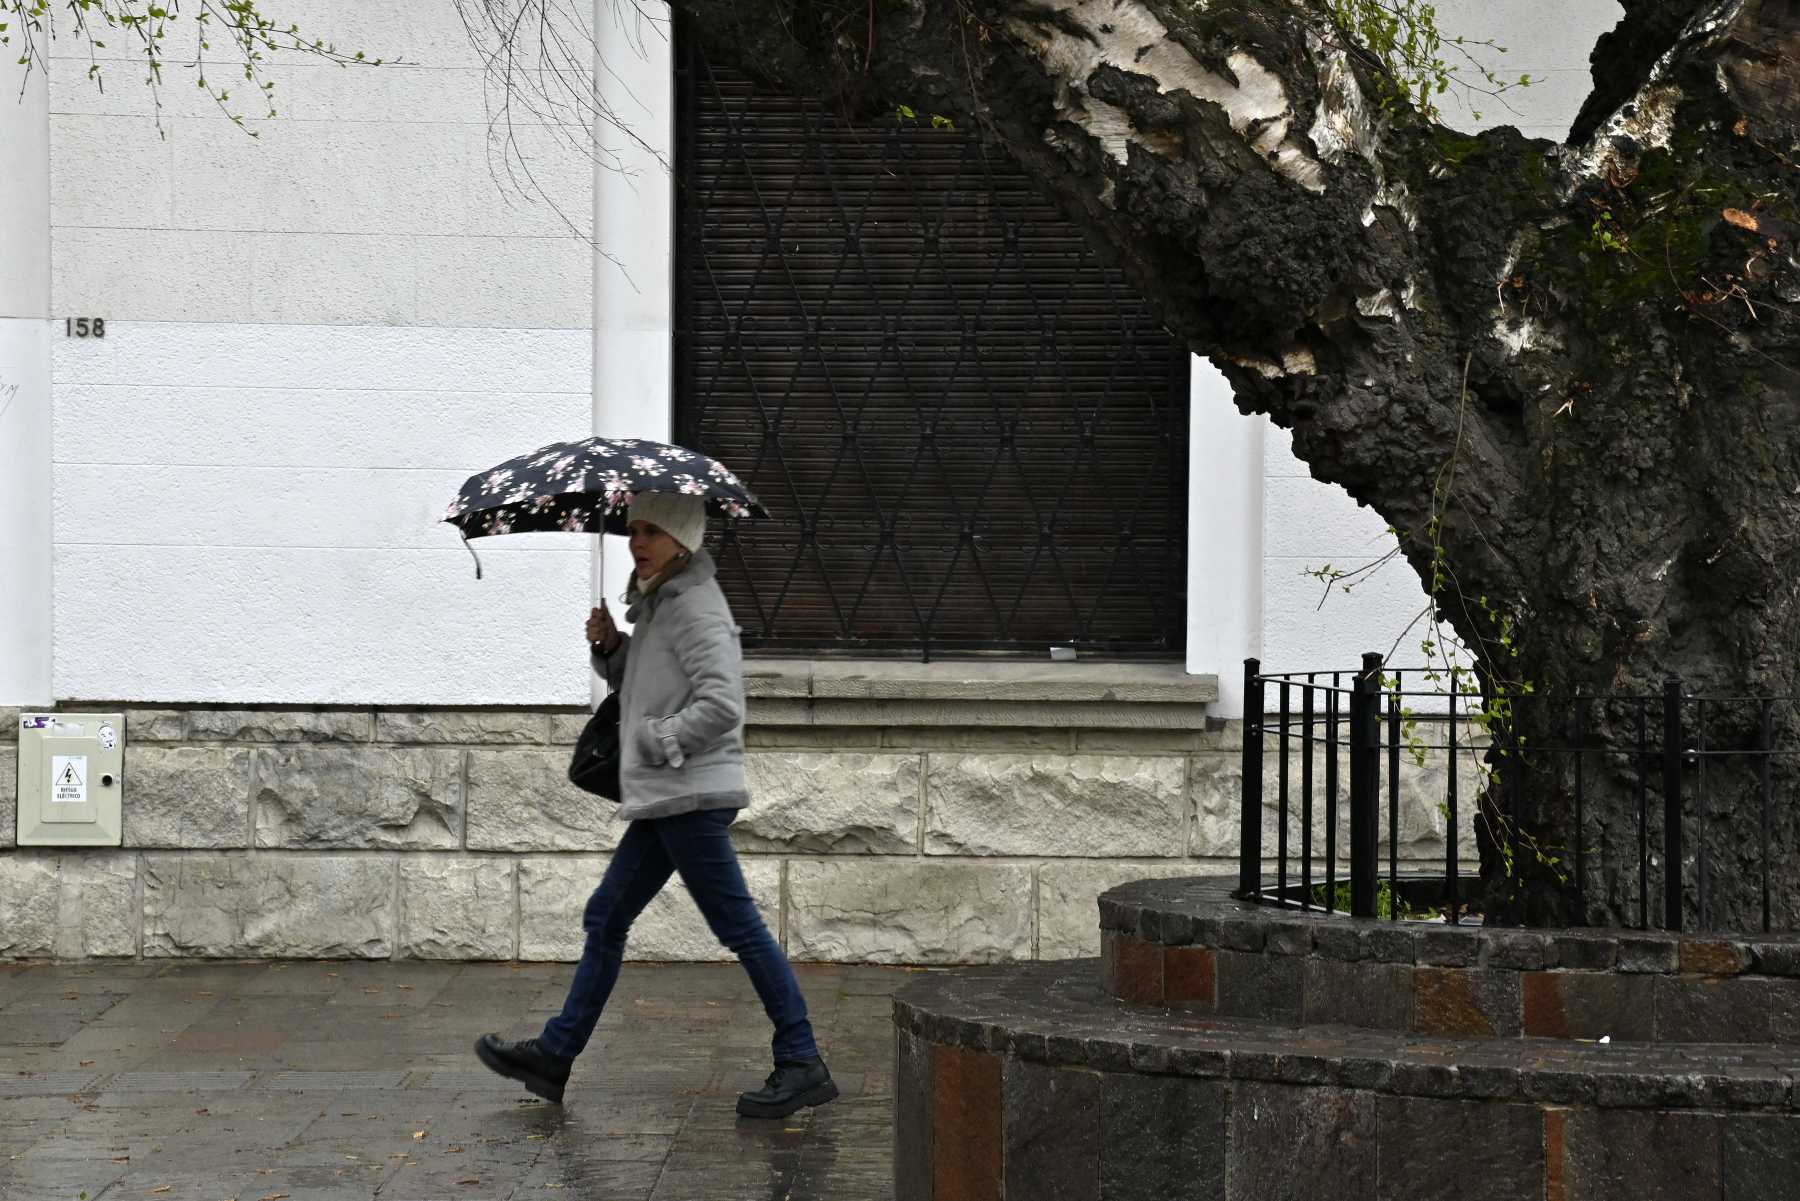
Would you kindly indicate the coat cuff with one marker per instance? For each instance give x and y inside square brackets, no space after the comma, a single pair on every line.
[666,741]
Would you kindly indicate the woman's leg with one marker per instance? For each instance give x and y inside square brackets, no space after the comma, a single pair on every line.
[700,848]
[639,869]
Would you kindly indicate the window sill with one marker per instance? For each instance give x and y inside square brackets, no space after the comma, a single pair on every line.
[881,692]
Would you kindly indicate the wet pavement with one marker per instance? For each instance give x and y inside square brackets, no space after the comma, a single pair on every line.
[342,1081]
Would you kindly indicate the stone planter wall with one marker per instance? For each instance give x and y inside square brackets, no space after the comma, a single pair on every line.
[1189,944]
[980,830]
[1022,1082]
[1244,1065]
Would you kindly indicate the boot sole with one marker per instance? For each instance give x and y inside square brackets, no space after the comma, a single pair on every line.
[548,1089]
[828,1091]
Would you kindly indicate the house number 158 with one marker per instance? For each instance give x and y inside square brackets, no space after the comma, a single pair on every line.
[84,327]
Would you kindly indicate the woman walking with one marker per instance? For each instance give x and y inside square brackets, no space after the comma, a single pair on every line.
[680,681]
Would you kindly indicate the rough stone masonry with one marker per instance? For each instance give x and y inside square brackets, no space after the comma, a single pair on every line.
[897,819]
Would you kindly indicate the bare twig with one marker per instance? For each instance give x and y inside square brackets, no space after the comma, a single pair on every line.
[255,35]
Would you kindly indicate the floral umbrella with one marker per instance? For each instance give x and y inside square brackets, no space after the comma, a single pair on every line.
[587,486]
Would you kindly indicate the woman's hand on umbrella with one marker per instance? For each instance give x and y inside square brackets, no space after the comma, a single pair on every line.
[601,631]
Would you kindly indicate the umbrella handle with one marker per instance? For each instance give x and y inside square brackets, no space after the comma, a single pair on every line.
[473,556]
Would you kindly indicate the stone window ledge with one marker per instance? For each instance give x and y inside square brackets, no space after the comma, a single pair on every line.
[881,692]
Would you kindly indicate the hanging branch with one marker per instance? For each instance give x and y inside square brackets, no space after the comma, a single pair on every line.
[246,29]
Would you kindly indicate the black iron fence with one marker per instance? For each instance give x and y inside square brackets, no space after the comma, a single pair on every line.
[1341,741]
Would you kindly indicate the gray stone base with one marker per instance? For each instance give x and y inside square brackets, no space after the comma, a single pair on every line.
[453,834]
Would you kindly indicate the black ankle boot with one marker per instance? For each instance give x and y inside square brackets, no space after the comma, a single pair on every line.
[529,1064]
[791,1086]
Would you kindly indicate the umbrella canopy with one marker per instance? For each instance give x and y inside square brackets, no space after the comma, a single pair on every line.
[587,486]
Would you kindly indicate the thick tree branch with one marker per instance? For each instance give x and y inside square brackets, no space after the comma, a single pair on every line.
[1232,158]
[1602,337]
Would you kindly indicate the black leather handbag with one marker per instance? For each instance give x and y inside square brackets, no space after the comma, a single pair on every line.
[595,764]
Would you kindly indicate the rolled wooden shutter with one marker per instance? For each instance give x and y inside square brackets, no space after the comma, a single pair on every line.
[971,434]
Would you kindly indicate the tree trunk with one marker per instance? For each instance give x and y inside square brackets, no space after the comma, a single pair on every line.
[1568,375]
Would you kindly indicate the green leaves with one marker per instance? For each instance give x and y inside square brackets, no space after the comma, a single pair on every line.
[1608,234]
[251,38]
[905,112]
[1401,38]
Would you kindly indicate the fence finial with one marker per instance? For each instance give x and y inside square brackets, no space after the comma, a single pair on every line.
[1250,810]
[1365,786]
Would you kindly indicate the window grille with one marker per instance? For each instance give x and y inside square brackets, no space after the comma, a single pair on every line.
[970,433]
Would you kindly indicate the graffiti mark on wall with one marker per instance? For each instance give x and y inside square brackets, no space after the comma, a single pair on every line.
[9,392]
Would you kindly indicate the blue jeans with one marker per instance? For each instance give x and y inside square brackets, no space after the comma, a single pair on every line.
[698,846]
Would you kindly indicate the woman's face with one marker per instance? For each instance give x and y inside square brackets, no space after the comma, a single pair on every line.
[651,549]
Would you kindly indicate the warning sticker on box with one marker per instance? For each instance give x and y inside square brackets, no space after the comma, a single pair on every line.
[68,779]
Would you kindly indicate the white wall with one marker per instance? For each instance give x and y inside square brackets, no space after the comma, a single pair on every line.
[25,534]
[250,513]
[1549,42]
[635,245]
[313,337]
[1308,525]
[1225,535]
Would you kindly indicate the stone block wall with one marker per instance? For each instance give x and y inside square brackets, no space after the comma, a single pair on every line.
[453,834]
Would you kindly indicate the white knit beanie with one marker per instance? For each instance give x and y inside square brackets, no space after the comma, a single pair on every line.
[677,514]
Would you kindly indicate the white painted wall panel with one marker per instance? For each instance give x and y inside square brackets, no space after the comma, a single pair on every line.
[397,93]
[319,279]
[401,93]
[419,31]
[1309,526]
[25,502]
[333,626]
[1300,635]
[216,483]
[1224,536]
[136,274]
[318,177]
[25,399]
[112,172]
[377,427]
[1314,523]
[423,33]
[1278,455]
[24,194]
[124,93]
[364,358]
[635,226]
[1550,43]
[545,188]
[252,506]
[414,178]
[325,279]
[378,195]
[534,282]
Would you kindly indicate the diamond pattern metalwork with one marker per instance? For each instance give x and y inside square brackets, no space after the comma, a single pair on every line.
[971,435]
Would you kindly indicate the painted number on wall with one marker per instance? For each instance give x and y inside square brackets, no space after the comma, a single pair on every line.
[84,327]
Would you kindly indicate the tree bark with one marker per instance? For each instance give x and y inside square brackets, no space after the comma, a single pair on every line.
[1567,374]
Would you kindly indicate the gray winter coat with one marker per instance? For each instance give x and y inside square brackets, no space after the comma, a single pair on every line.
[680,679]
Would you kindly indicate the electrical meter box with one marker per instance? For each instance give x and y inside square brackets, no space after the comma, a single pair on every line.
[71,779]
